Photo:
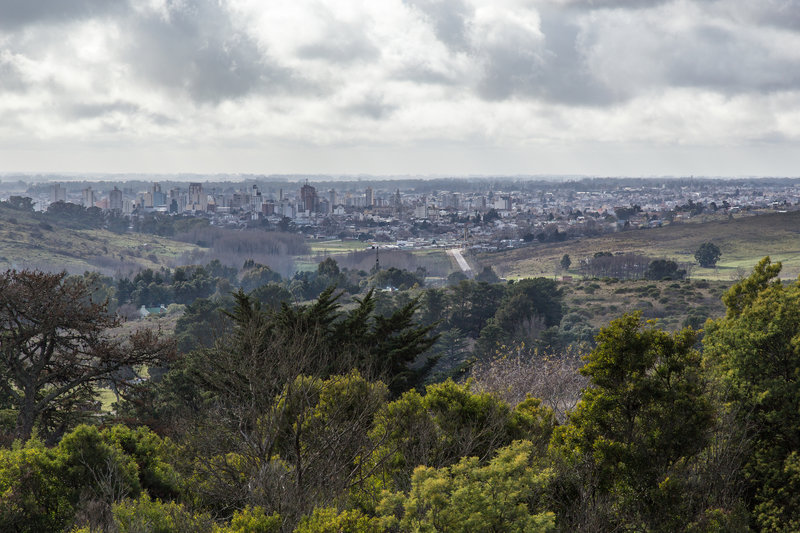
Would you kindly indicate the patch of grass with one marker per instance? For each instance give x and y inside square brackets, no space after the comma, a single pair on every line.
[107,398]
[336,247]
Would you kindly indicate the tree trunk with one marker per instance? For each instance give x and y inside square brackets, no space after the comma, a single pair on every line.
[26,418]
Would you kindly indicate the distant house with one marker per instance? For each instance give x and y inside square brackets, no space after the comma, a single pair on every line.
[147,311]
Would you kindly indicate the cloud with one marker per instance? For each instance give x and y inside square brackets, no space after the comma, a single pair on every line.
[450,20]
[610,4]
[339,42]
[15,13]
[783,14]
[197,49]
[371,106]
[689,45]
[537,55]
[730,61]
[84,110]
[11,77]
[474,74]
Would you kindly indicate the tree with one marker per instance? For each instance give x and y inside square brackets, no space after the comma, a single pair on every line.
[659,269]
[488,275]
[504,495]
[54,346]
[450,422]
[565,261]
[21,203]
[756,352]
[708,254]
[640,422]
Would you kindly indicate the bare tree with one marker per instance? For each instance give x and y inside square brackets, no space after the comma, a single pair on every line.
[553,378]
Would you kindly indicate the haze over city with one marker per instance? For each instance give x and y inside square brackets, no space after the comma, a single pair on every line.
[418,87]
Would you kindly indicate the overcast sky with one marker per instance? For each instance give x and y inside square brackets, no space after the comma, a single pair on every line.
[597,87]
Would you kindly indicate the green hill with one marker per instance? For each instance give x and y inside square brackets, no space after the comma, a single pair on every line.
[743,242]
[28,240]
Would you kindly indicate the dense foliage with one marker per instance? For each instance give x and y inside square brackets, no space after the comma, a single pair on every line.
[326,415]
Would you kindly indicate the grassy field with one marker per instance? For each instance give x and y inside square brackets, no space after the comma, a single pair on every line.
[26,242]
[336,247]
[743,242]
[669,303]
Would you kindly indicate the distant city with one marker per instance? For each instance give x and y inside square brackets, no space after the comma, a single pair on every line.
[482,213]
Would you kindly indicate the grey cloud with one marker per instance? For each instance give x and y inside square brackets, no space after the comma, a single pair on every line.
[11,78]
[111,111]
[17,13]
[423,73]
[783,14]
[93,110]
[727,61]
[612,4]
[620,55]
[554,69]
[342,43]
[372,106]
[449,18]
[198,49]
[772,137]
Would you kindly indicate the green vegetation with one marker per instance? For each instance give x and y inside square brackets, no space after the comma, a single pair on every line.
[708,254]
[332,416]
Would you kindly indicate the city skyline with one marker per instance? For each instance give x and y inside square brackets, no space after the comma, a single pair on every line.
[415,87]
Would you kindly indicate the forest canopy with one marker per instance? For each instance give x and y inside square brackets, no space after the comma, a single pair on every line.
[326,415]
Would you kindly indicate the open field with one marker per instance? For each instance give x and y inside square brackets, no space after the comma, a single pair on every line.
[743,242]
[670,303]
[336,246]
[26,242]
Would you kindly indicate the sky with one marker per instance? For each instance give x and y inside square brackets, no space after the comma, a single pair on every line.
[393,87]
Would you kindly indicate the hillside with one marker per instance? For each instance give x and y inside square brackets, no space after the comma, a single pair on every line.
[743,242]
[27,241]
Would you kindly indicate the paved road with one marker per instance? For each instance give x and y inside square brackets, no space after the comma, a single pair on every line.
[465,268]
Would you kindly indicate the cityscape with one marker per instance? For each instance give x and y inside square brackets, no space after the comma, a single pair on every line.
[479,213]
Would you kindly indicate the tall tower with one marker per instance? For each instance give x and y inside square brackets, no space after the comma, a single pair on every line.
[308,198]
[88,197]
[57,193]
[369,197]
[115,199]
[197,199]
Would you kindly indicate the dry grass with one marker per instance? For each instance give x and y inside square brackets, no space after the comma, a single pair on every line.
[743,242]
[25,242]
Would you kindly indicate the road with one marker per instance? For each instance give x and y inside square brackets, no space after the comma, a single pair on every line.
[465,268]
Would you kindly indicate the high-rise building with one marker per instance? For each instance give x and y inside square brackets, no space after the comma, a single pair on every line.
[115,199]
[198,200]
[332,198]
[308,198]
[369,198]
[158,198]
[57,193]
[256,199]
[88,198]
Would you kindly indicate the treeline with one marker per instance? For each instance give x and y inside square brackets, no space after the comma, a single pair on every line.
[632,266]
